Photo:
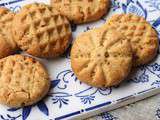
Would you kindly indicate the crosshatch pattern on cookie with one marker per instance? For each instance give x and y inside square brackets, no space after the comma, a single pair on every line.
[44,26]
[144,39]
[24,81]
[100,59]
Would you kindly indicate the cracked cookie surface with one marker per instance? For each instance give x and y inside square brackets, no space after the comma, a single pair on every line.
[41,31]
[24,81]
[81,11]
[101,57]
[144,39]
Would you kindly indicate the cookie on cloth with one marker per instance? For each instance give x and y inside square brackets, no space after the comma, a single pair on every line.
[101,57]
[81,11]
[144,39]
[7,44]
[24,81]
[41,31]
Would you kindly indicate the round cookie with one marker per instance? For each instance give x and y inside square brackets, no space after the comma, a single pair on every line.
[24,81]
[101,57]
[81,11]
[7,44]
[144,39]
[41,31]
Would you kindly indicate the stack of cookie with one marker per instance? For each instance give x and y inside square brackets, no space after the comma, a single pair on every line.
[39,30]
[42,31]
[103,57]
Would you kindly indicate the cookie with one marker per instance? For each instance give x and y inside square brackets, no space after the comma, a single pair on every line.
[24,81]
[101,57]
[41,31]
[7,44]
[81,11]
[144,39]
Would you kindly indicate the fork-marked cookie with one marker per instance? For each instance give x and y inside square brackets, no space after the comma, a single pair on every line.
[101,57]
[41,31]
[144,39]
[81,11]
[24,81]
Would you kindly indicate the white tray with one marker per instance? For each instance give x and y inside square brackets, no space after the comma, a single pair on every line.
[69,98]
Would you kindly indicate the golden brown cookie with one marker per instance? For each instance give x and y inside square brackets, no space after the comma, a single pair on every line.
[101,57]
[24,81]
[81,11]
[144,39]
[41,31]
[7,43]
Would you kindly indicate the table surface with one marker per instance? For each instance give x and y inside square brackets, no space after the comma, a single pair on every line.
[148,109]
